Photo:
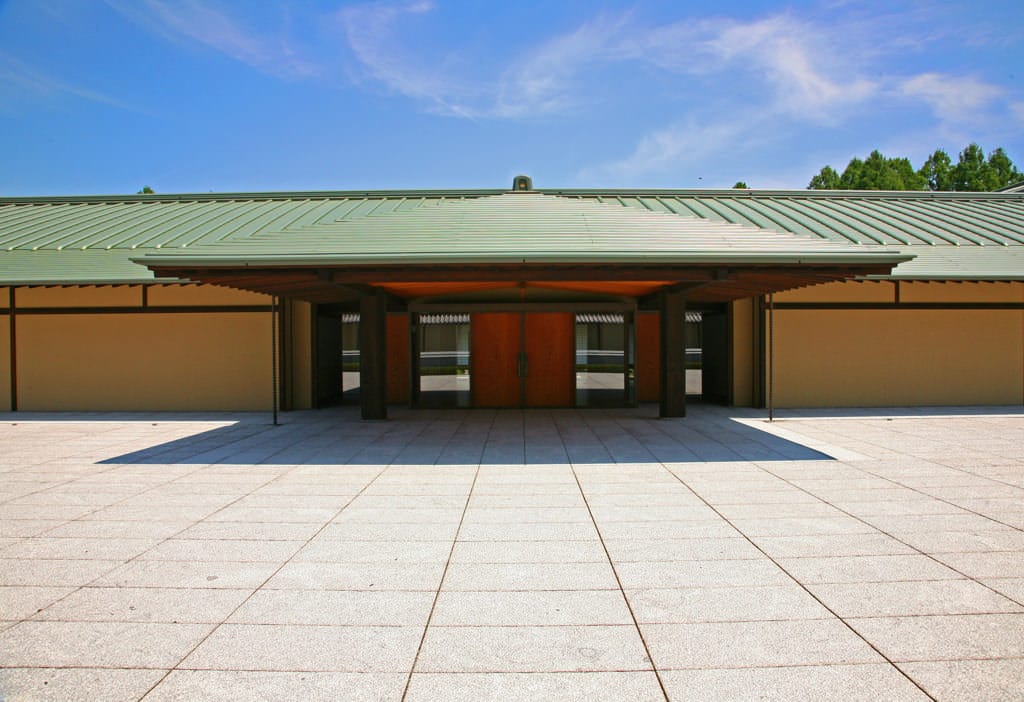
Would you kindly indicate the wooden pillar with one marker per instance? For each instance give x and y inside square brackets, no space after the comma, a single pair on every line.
[673,354]
[373,378]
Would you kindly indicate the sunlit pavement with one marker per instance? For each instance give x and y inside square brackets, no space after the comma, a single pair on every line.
[538,555]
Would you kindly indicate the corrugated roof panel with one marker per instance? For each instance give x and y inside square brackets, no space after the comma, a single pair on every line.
[377,225]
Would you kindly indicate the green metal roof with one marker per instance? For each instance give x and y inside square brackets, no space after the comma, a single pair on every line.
[96,239]
[520,227]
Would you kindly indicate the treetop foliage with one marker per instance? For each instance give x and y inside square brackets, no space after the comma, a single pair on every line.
[972,172]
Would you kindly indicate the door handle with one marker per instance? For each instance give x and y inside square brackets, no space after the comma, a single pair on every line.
[523,365]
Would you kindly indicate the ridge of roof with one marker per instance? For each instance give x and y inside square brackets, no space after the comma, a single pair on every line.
[1012,192]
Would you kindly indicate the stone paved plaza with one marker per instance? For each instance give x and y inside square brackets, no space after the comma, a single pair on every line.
[477,555]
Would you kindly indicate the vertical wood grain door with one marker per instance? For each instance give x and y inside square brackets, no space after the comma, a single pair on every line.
[550,346]
[522,359]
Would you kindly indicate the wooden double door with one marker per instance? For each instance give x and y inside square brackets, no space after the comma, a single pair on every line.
[522,359]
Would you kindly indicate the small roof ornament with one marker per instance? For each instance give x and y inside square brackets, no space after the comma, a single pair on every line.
[522,183]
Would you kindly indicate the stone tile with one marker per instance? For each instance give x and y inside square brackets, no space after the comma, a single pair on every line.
[49,548]
[145,604]
[188,574]
[249,531]
[1000,564]
[532,649]
[965,541]
[358,576]
[389,532]
[912,598]
[676,606]
[933,523]
[149,513]
[530,576]
[864,569]
[590,551]
[970,681]
[120,529]
[680,574]
[375,515]
[20,602]
[333,551]
[282,515]
[1010,587]
[876,544]
[25,571]
[945,637]
[222,550]
[527,687]
[532,608]
[16,528]
[852,683]
[667,530]
[574,531]
[805,526]
[76,684]
[525,515]
[307,648]
[230,685]
[98,644]
[713,549]
[336,608]
[755,644]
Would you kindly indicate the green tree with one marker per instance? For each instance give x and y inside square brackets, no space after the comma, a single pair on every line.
[740,185]
[938,171]
[973,172]
[827,179]
[146,190]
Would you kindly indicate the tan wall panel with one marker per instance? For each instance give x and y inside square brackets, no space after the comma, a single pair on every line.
[743,356]
[850,358]
[203,295]
[5,363]
[80,296]
[5,294]
[847,291]
[144,362]
[915,291]
[300,353]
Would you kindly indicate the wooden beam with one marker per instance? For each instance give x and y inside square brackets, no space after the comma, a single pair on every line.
[673,354]
[373,377]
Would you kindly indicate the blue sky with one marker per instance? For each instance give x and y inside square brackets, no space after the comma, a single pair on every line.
[213,95]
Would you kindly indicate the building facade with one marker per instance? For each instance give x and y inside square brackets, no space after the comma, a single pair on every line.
[518,298]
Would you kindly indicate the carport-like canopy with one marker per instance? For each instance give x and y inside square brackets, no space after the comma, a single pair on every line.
[518,246]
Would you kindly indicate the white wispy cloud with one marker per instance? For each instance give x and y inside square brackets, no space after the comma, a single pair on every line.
[689,143]
[206,24]
[955,98]
[545,81]
[371,31]
[16,75]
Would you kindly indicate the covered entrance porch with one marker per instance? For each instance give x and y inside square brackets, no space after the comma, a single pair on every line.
[524,268]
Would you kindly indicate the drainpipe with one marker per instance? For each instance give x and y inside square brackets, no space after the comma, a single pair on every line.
[771,357]
[12,317]
[273,355]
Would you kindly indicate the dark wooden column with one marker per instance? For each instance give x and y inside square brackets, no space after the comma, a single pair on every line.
[673,354]
[373,377]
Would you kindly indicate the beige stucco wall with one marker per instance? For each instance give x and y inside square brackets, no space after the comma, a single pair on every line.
[203,295]
[200,360]
[851,291]
[86,296]
[887,357]
[144,362]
